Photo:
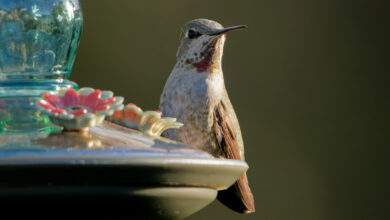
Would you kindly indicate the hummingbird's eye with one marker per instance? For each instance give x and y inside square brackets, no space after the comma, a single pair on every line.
[192,34]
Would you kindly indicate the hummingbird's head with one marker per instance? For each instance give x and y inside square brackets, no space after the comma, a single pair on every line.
[202,45]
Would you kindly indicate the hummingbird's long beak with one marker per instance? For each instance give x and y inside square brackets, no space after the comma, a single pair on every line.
[228,29]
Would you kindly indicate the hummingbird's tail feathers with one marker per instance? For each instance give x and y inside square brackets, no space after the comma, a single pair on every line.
[238,197]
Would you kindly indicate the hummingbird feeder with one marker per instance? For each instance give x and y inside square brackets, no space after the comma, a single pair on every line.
[57,146]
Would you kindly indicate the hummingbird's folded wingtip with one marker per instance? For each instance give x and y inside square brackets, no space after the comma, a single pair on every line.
[238,197]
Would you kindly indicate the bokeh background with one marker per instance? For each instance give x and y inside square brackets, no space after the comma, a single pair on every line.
[308,80]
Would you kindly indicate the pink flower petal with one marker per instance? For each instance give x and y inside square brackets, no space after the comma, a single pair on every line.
[58,111]
[103,104]
[107,101]
[100,107]
[50,108]
[71,98]
[92,99]
[83,100]
[79,112]
[52,99]
[46,105]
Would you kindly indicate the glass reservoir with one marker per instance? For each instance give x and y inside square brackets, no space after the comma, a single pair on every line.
[38,44]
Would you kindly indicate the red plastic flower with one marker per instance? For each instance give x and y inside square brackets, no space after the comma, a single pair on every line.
[86,107]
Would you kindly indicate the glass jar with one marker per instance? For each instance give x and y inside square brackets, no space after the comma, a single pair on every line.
[38,45]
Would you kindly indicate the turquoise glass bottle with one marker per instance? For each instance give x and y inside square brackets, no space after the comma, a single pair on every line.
[38,45]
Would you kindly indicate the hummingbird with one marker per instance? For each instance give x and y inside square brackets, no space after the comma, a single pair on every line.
[196,95]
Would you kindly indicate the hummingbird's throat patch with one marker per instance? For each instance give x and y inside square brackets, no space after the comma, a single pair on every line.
[203,65]
[208,59]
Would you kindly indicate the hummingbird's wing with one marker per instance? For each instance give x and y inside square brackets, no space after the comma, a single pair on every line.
[239,196]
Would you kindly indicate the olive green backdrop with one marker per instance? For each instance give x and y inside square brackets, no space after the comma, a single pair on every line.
[308,80]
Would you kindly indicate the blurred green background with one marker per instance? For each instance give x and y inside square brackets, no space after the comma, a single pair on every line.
[308,80]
